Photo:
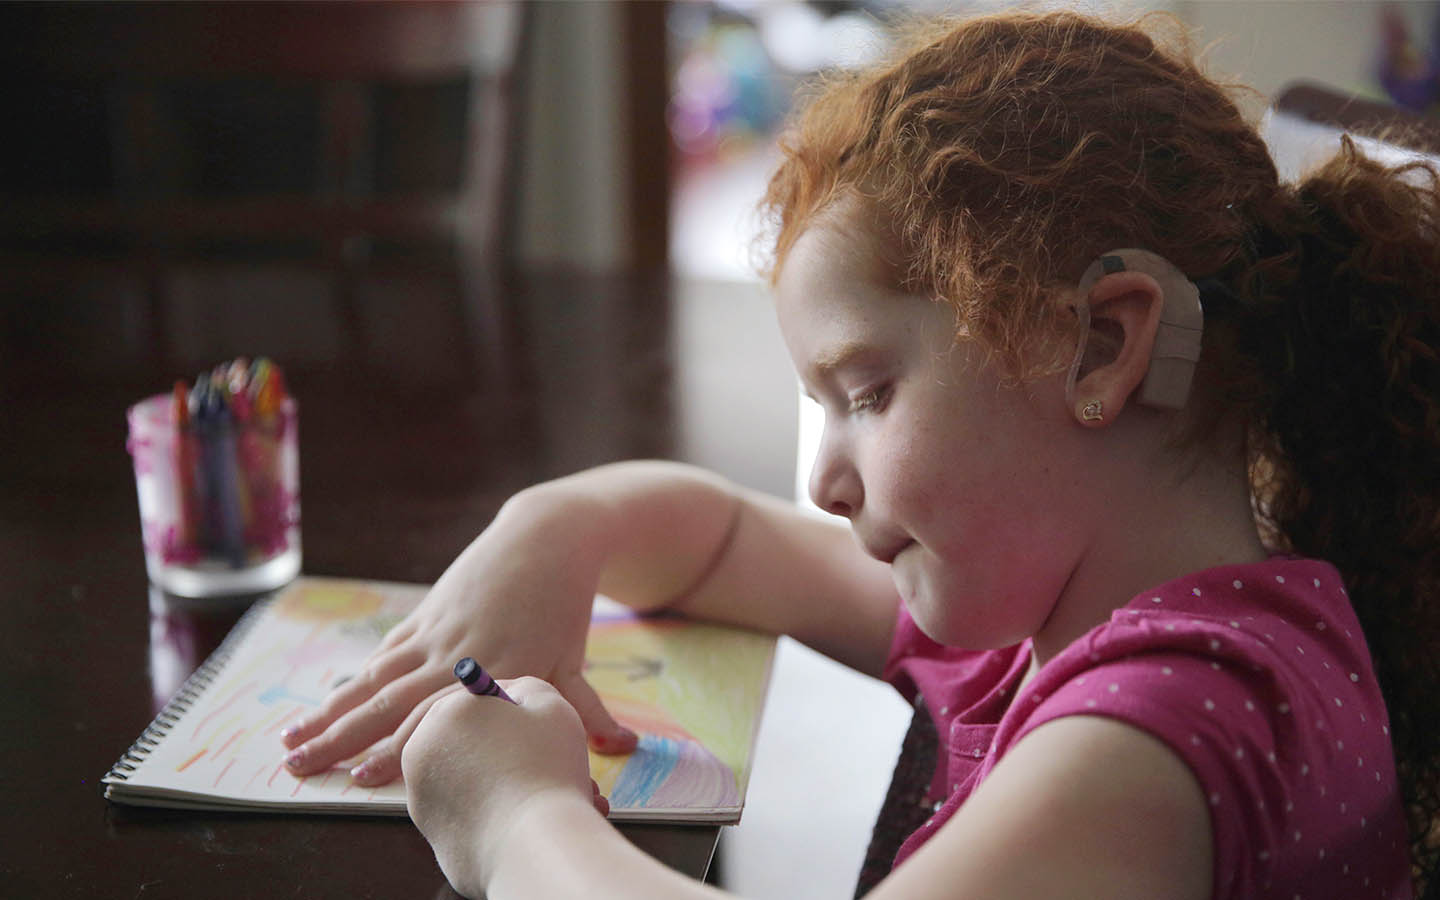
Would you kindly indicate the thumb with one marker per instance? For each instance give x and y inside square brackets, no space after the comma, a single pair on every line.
[604,733]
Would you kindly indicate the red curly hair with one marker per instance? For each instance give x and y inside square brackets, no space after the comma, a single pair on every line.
[1001,155]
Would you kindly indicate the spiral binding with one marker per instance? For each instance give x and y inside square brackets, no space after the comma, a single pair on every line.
[189,692]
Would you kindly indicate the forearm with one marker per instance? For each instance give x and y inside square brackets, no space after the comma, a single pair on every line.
[667,535]
[558,846]
[645,532]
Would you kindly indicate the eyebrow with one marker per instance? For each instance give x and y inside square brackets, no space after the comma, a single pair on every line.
[838,356]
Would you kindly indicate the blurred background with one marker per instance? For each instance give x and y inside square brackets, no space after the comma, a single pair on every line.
[533,218]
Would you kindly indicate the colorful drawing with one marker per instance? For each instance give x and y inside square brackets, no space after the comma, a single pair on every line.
[693,693]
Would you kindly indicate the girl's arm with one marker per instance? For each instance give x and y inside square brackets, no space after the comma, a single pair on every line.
[1082,807]
[649,534]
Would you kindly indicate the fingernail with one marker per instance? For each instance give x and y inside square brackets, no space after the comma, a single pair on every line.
[295,757]
[289,730]
[361,772]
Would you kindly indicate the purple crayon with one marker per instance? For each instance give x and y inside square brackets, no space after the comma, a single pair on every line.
[477,681]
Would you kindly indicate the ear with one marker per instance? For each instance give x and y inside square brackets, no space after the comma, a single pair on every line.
[1124,316]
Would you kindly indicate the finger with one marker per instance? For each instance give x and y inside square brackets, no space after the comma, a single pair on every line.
[382,765]
[381,671]
[602,805]
[604,734]
[365,724]
[402,631]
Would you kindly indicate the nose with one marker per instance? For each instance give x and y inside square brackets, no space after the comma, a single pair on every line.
[835,484]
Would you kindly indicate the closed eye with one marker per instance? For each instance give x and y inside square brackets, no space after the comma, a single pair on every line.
[870,400]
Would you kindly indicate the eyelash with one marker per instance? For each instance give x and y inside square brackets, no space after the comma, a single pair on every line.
[872,400]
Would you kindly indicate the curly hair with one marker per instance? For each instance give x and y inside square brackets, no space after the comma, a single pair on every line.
[1003,154]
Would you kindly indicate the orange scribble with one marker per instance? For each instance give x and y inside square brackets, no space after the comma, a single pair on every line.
[186,764]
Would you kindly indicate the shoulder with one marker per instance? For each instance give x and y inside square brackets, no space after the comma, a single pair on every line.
[1083,806]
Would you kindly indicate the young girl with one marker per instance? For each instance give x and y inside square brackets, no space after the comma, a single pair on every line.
[1070,336]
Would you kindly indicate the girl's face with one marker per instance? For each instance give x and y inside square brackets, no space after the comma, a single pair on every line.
[961,483]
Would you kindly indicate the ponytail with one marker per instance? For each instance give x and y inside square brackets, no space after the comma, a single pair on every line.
[1343,338]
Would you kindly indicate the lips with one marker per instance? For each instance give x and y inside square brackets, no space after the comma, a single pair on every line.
[885,552]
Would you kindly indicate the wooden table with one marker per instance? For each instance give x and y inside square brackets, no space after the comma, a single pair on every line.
[397,475]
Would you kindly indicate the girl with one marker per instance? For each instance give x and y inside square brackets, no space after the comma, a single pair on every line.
[1072,340]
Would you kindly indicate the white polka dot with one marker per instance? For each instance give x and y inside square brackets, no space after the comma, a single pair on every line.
[1304,768]
[1094,657]
[1354,676]
[1338,702]
[1284,708]
[1238,584]
[1363,823]
[1339,745]
[1214,644]
[1359,762]
[1080,680]
[1299,649]
[1215,666]
[1377,776]
[1298,835]
[944,710]
[1209,704]
[1239,752]
[1249,706]
[1322,790]
[1004,691]
[1234,624]
[1264,855]
[1195,739]
[1170,627]
[1317,582]
[1035,697]
[1195,591]
[1319,626]
[1345,869]
[1385,728]
[1322,852]
[1270,756]
[1215,799]
[1166,670]
[977,753]
[1289,806]
[1270,638]
[1089,704]
[1113,688]
[1156,600]
[1279,579]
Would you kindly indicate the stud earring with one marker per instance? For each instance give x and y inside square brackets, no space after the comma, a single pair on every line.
[1094,411]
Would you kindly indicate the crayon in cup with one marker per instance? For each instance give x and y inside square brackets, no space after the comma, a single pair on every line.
[219,486]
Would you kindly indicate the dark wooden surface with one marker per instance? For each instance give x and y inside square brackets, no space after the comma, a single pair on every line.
[398,473]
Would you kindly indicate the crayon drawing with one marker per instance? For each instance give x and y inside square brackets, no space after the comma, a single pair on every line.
[693,692]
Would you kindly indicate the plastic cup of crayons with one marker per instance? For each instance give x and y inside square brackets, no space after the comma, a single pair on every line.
[217,472]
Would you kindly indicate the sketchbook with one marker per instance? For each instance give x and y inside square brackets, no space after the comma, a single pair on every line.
[694,692]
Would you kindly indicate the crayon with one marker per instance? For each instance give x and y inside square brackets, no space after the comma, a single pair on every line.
[477,681]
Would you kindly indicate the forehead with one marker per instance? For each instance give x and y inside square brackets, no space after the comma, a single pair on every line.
[836,292]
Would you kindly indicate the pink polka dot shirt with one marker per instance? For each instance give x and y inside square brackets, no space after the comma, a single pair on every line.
[1257,676]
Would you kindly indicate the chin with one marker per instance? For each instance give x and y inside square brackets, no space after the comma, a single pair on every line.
[956,621]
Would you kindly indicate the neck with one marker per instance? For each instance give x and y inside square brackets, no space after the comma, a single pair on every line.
[1151,535]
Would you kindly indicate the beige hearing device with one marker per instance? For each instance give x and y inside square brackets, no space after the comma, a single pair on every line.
[1177,339]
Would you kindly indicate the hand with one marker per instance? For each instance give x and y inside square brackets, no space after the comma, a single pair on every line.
[516,601]
[475,764]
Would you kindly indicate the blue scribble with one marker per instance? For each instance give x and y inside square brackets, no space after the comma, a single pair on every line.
[281,692]
[646,769]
